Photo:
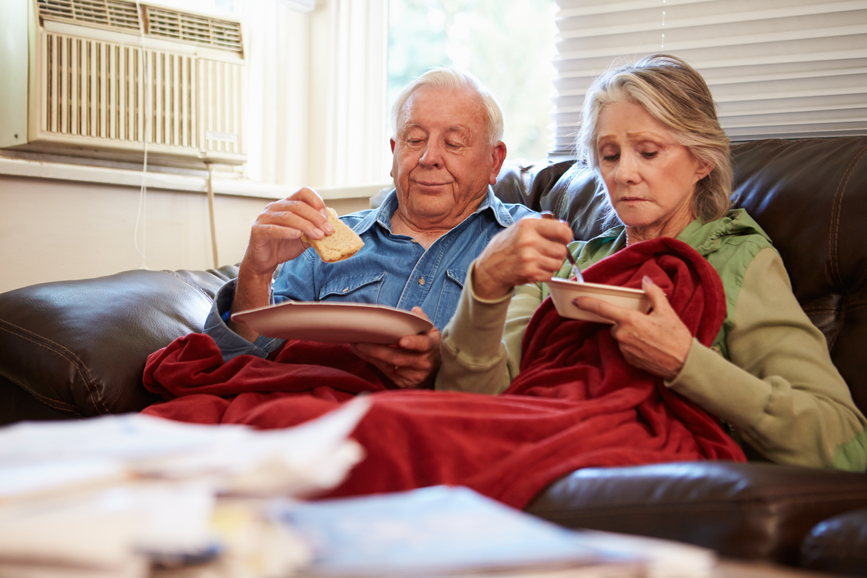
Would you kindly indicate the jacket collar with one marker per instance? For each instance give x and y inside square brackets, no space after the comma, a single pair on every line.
[707,237]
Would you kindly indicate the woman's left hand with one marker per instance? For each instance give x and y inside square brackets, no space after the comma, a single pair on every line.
[657,342]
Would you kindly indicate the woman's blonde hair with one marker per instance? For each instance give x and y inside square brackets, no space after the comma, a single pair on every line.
[673,93]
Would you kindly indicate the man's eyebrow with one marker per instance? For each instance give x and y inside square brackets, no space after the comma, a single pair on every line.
[458,129]
[461,130]
[411,127]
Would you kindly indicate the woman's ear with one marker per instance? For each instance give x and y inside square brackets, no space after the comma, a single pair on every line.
[704,169]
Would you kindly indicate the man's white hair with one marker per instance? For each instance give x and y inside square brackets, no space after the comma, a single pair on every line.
[453,79]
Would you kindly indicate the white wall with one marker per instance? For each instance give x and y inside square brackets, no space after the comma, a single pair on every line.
[52,230]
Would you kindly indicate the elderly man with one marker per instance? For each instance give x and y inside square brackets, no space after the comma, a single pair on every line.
[447,151]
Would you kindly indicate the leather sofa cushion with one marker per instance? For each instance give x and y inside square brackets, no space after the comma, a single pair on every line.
[757,511]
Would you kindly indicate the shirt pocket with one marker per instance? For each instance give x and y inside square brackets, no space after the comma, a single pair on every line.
[453,284]
[353,288]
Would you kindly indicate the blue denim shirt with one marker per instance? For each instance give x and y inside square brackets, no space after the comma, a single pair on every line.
[390,269]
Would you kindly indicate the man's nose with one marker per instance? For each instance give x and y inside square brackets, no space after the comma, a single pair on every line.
[432,156]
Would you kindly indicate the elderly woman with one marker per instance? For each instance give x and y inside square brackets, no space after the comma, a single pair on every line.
[650,131]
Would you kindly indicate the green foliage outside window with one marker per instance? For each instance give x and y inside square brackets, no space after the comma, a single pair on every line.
[507,44]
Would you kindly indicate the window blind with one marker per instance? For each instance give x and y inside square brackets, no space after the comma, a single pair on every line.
[776,68]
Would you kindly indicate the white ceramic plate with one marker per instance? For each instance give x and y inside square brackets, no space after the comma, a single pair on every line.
[334,322]
[563,292]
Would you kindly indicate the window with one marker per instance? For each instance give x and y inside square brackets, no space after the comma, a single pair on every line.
[507,44]
[776,68]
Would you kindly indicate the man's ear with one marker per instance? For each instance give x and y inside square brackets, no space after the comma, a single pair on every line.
[498,155]
[391,140]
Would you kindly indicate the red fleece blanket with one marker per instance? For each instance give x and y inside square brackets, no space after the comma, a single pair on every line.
[576,402]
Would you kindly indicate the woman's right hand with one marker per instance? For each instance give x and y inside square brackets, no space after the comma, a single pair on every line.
[530,251]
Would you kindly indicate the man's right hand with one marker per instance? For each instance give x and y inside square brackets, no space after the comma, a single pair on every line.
[274,239]
[276,234]
[530,251]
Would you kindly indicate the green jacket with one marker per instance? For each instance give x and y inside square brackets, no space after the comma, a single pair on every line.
[768,374]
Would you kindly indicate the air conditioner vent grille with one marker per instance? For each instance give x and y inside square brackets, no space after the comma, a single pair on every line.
[113,14]
[123,16]
[193,28]
[118,95]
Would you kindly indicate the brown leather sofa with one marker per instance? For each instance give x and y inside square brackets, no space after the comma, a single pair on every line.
[76,349]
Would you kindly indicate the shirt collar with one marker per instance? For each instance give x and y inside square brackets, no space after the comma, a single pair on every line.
[389,206]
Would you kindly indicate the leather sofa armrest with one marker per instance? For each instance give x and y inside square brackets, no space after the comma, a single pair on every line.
[756,511]
[838,544]
[79,347]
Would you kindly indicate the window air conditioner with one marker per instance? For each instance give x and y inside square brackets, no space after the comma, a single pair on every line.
[100,78]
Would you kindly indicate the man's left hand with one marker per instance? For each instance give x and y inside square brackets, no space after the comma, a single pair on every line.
[412,363]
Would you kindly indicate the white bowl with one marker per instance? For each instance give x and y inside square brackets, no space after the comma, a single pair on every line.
[563,292]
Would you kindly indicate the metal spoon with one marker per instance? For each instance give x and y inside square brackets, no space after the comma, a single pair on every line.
[576,272]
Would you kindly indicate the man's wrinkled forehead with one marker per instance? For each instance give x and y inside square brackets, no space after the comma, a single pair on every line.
[409,116]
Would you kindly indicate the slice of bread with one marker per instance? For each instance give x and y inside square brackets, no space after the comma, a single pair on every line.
[342,244]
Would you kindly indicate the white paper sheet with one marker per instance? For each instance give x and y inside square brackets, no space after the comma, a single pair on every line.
[50,456]
[102,496]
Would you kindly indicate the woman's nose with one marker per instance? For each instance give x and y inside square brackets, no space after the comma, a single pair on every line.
[627,170]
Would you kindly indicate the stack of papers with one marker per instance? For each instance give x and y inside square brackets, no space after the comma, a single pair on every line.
[455,532]
[110,496]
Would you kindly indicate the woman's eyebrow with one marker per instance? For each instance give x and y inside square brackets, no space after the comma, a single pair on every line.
[644,135]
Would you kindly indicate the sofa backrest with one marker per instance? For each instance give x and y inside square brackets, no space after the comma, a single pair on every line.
[809,195]
[77,348]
